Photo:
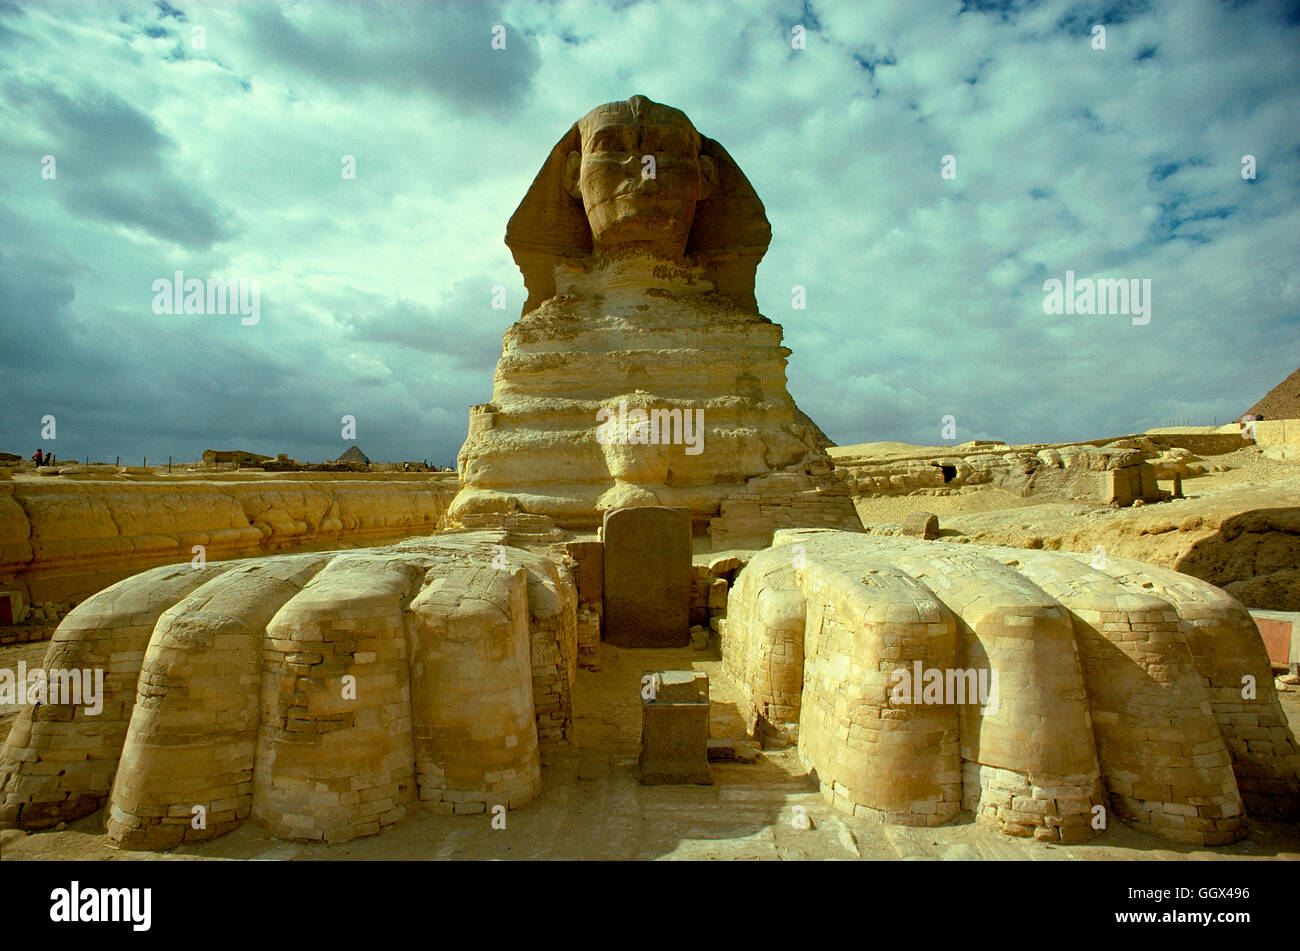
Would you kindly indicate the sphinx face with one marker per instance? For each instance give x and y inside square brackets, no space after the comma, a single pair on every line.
[640,175]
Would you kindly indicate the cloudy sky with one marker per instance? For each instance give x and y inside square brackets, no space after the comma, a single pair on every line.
[209,139]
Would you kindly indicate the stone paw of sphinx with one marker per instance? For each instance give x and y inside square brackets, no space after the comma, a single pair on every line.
[322,695]
[1031,688]
[325,695]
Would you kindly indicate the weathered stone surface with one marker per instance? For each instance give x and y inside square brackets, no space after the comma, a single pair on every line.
[675,729]
[783,500]
[12,607]
[640,301]
[589,636]
[590,557]
[921,525]
[721,749]
[329,692]
[647,577]
[679,686]
[1132,694]
[1114,472]
[1118,687]
[61,540]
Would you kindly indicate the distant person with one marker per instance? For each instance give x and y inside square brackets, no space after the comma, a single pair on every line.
[49,459]
[38,458]
[406,467]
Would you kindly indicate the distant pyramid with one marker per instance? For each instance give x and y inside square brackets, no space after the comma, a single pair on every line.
[354,455]
[1282,402]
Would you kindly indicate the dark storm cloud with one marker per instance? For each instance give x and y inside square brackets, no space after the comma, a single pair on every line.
[102,130]
[111,159]
[35,295]
[165,211]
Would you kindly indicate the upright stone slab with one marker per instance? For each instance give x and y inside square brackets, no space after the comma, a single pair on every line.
[647,577]
[921,525]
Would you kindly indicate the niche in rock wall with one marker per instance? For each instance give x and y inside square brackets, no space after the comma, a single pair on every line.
[949,472]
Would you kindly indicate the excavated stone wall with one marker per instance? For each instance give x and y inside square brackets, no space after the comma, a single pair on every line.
[62,540]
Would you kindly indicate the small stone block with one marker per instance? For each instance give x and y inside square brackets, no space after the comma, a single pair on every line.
[721,750]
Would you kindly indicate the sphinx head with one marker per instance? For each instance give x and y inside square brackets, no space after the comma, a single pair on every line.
[637,175]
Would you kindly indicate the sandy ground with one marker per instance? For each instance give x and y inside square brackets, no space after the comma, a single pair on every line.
[593,807]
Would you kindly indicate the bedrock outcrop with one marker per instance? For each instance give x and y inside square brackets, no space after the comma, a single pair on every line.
[66,539]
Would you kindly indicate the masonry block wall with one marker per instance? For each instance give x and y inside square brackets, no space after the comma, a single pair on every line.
[322,695]
[1233,665]
[782,500]
[553,619]
[59,761]
[763,648]
[1115,686]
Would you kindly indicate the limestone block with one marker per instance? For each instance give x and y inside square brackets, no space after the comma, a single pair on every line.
[721,750]
[590,557]
[679,686]
[1147,477]
[12,608]
[1120,489]
[718,597]
[921,525]
[589,637]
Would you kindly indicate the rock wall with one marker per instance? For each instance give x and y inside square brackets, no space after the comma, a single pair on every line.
[1116,473]
[66,539]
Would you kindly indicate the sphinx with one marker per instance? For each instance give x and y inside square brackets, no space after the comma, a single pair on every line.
[638,242]
[325,696]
